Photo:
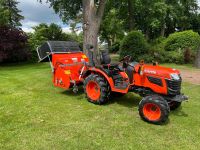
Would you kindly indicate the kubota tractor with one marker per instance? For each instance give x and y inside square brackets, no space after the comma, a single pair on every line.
[159,87]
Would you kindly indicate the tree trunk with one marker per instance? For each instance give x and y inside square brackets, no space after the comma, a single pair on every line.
[147,32]
[92,17]
[162,32]
[197,61]
[109,42]
[130,15]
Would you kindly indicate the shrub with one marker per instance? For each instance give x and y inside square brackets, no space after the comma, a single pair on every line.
[174,57]
[178,48]
[182,40]
[148,58]
[13,43]
[115,47]
[134,44]
[158,49]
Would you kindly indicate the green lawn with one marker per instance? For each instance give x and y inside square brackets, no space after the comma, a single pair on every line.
[36,115]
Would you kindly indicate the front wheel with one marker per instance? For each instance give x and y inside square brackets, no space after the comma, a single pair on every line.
[154,109]
[96,89]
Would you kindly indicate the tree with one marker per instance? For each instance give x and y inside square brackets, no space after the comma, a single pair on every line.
[92,12]
[44,32]
[12,45]
[54,32]
[9,13]
[131,14]
[187,9]
[127,12]
[135,45]
[157,17]
[3,14]
[50,32]
[111,28]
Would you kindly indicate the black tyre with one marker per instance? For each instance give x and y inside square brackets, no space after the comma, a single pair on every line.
[96,89]
[174,105]
[154,109]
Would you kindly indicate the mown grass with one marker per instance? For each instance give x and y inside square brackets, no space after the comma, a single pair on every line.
[188,67]
[36,115]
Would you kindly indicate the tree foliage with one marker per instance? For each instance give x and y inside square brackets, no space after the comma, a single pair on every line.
[12,40]
[67,9]
[12,45]
[134,44]
[9,13]
[157,17]
[111,28]
[44,32]
[182,40]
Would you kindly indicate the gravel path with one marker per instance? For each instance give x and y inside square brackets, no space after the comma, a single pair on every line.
[191,76]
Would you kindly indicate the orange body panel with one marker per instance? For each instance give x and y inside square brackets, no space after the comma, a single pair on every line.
[153,71]
[67,67]
[110,80]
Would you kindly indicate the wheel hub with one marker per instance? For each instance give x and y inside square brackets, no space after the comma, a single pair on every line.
[93,90]
[152,111]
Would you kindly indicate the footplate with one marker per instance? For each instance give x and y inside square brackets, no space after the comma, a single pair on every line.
[180,98]
[121,85]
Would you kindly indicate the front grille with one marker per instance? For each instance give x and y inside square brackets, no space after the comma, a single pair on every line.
[154,80]
[173,86]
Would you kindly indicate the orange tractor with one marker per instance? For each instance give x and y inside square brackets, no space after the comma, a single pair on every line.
[159,86]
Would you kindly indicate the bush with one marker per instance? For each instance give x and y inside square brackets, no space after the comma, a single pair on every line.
[178,48]
[13,45]
[182,40]
[158,49]
[135,45]
[174,57]
[115,47]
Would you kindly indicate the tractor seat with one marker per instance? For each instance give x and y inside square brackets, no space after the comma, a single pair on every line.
[106,61]
[105,58]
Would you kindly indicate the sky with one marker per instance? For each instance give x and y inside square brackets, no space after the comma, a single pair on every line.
[36,13]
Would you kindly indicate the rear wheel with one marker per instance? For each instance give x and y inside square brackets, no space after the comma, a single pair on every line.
[174,105]
[96,89]
[154,109]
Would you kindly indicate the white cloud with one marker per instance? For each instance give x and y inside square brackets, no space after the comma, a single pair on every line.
[29,23]
[66,29]
[28,30]
[36,13]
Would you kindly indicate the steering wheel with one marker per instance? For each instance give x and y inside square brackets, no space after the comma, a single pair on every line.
[126,59]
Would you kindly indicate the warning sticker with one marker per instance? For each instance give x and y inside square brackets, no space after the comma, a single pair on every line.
[67,72]
[84,56]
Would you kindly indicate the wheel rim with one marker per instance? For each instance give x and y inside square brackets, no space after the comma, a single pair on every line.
[93,90]
[151,111]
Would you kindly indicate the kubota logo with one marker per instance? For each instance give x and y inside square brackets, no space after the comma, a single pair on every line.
[150,71]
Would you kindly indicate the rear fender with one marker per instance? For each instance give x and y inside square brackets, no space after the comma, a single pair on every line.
[108,79]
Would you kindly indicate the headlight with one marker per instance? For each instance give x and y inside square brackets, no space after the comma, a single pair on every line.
[175,76]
